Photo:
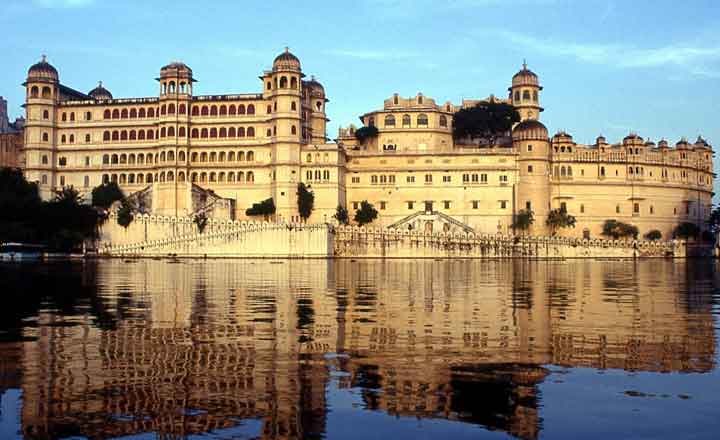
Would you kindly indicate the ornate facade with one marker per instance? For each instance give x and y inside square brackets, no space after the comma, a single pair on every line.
[249,147]
[11,138]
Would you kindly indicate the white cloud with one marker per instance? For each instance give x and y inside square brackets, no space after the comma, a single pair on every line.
[62,3]
[370,54]
[692,58]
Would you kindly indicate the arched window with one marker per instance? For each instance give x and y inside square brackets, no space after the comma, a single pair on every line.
[114,159]
[131,178]
[250,177]
[231,176]
[241,109]
[194,133]
[170,156]
[162,132]
[106,114]
[205,111]
[34,92]
[213,177]
[526,95]
[231,110]
[44,160]
[221,156]
[116,114]
[443,121]
[150,134]
[231,156]
[151,112]
[133,113]
[241,156]
[213,132]
[250,156]
[105,160]
[231,132]
[87,138]
[250,109]
[140,159]
[195,111]
[204,133]
[123,159]
[123,135]
[141,113]
[194,177]
[293,107]
[63,118]
[181,176]
[371,122]
[171,109]
[293,83]
[181,156]
[63,139]
[45,137]
[193,157]
[131,159]
[115,135]
[250,132]
[213,156]
[422,120]
[170,176]
[171,131]
[562,171]
[106,136]
[46,114]
[389,121]
[181,109]
[602,171]
[535,96]
[124,114]
[213,110]
[181,131]
[163,109]
[203,157]
[283,82]
[223,132]
[203,177]
[140,178]
[293,130]
[406,120]
[46,92]
[141,135]
[149,178]
[221,177]
[269,109]
[223,110]
[241,132]
[72,116]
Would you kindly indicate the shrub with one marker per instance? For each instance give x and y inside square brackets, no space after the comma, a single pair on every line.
[686,230]
[105,195]
[559,218]
[524,219]
[305,201]
[615,229]
[341,215]
[125,214]
[366,214]
[364,133]
[265,208]
[653,235]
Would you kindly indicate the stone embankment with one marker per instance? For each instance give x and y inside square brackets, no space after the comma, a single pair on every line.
[163,236]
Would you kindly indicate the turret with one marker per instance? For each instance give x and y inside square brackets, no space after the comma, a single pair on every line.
[42,95]
[525,94]
[530,140]
[317,120]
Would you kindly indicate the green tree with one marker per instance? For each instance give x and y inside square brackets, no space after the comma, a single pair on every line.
[305,201]
[559,218]
[686,230]
[265,208]
[653,235]
[486,119]
[714,220]
[615,229]
[523,220]
[341,215]
[125,213]
[366,214]
[106,194]
[362,134]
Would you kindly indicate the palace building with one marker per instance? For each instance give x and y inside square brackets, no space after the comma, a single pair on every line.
[181,153]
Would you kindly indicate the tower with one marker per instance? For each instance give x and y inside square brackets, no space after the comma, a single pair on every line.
[525,94]
[285,127]
[315,123]
[530,140]
[41,99]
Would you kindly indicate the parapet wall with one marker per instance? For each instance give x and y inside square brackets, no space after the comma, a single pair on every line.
[162,236]
[357,242]
[165,236]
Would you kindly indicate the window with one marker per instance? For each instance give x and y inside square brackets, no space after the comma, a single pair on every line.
[602,171]
[389,121]
[443,121]
[526,95]
[62,180]
[446,204]
[355,179]
[503,204]
[410,179]
[44,179]
[62,161]
[652,210]
[617,209]
[636,208]
[355,205]
[45,137]
[446,179]
[428,178]
[373,179]
[475,204]
[466,178]
[503,178]
[87,138]
[483,178]
[383,204]
[406,120]
[87,161]
[422,120]
[582,209]
[410,205]
[563,206]
[530,168]
[86,181]
[529,148]
[528,205]
[46,114]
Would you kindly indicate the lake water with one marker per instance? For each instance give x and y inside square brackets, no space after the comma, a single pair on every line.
[360,349]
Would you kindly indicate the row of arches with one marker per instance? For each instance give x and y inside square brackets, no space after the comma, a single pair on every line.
[202,133]
[45,92]
[169,87]
[282,83]
[223,110]
[132,113]
[222,156]
[143,178]
[420,121]
[223,177]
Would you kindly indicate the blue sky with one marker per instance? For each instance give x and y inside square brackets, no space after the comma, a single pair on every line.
[608,67]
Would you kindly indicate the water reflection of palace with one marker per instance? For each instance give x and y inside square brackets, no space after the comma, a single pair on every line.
[201,346]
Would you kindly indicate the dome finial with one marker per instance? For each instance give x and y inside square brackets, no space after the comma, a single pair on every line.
[99,83]
[287,49]
[43,58]
[524,64]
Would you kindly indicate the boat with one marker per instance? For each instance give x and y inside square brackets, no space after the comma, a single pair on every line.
[20,252]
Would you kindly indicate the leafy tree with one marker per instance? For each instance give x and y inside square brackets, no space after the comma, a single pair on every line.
[714,220]
[524,219]
[106,194]
[362,134]
[125,213]
[68,195]
[653,235]
[366,214]
[686,230]
[265,208]
[486,119]
[559,218]
[341,215]
[615,229]
[305,201]
[200,219]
